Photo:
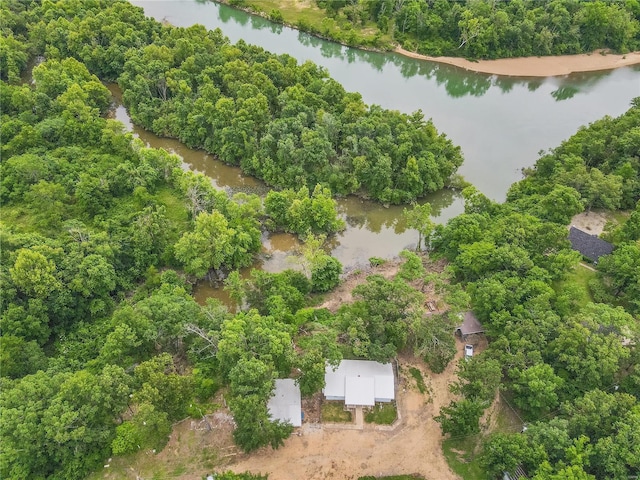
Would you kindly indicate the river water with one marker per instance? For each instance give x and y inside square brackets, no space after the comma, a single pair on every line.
[501,123]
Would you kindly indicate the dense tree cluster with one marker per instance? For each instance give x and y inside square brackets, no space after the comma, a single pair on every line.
[88,213]
[601,162]
[490,29]
[289,124]
[598,167]
[301,212]
[103,347]
[558,361]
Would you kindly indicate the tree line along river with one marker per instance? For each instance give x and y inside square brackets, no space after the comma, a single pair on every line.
[501,123]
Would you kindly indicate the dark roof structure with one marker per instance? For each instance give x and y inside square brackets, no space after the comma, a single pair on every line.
[470,325]
[590,246]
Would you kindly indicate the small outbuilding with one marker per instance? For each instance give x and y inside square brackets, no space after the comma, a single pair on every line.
[470,325]
[590,246]
[360,383]
[285,404]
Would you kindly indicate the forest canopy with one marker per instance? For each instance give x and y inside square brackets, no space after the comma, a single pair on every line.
[476,28]
[288,124]
[103,345]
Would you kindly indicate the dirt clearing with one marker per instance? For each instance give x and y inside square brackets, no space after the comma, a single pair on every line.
[414,446]
[590,222]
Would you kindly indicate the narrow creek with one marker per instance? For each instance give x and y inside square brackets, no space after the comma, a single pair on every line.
[501,123]
[372,230]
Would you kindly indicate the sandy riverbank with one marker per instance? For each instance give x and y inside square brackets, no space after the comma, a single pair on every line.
[537,66]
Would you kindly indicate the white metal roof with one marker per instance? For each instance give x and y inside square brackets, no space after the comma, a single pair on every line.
[348,378]
[285,404]
[359,391]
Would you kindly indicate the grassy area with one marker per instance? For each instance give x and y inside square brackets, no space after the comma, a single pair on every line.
[334,412]
[417,375]
[461,457]
[462,453]
[578,280]
[382,414]
[305,15]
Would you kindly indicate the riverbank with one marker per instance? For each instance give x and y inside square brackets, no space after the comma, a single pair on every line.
[304,16]
[551,66]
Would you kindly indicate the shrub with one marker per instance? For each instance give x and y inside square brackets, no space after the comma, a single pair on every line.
[325,275]
[276,15]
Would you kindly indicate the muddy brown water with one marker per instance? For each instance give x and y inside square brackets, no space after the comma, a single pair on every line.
[372,230]
[501,123]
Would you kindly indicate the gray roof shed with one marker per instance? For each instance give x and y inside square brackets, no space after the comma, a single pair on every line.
[286,404]
[470,325]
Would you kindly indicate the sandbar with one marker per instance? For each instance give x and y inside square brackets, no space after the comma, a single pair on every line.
[550,66]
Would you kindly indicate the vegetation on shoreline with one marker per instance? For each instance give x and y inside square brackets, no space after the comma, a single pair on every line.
[480,29]
[561,359]
[288,124]
[103,347]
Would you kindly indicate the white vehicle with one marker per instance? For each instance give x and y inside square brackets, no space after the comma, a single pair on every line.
[468,351]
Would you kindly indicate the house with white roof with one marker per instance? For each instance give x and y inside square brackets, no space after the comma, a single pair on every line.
[360,383]
[285,404]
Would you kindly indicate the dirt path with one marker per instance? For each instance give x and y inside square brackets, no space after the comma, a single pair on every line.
[415,446]
[317,453]
[537,66]
[342,294]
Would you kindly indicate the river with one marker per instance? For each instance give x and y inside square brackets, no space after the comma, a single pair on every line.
[501,123]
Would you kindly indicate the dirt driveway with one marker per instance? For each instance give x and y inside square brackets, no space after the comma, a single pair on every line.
[415,446]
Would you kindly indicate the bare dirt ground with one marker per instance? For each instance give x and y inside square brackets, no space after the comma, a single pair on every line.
[537,66]
[315,452]
[592,222]
[414,446]
[342,294]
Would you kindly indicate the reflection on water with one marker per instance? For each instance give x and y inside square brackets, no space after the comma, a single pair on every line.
[501,123]
[372,230]
[564,93]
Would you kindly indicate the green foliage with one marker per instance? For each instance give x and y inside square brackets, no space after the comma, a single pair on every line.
[417,376]
[253,427]
[299,212]
[412,267]
[270,293]
[419,218]
[461,418]
[290,125]
[325,274]
[376,261]
[535,389]
[496,30]
[504,453]
[312,365]
[214,243]
[251,335]
[433,340]
[74,411]
[478,379]
[377,323]
[621,274]
[382,414]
